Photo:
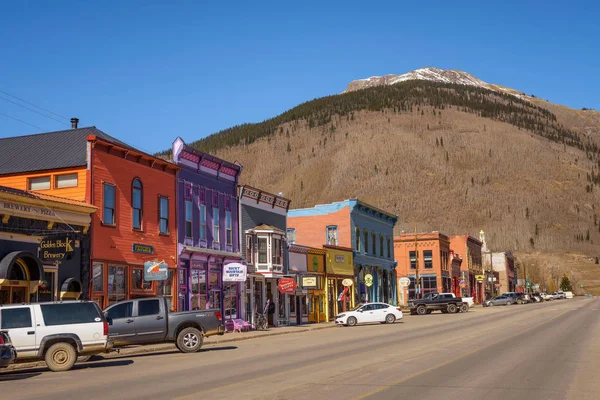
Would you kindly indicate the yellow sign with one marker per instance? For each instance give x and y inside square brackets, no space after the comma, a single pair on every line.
[309,281]
[347,282]
[480,278]
[369,280]
[55,249]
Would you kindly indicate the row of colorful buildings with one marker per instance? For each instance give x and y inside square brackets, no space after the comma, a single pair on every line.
[85,215]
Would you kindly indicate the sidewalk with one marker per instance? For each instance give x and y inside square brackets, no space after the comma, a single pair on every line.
[226,338]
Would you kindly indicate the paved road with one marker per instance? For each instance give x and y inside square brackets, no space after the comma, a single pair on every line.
[538,351]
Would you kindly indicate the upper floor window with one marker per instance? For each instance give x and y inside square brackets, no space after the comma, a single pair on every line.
[276,250]
[136,203]
[65,181]
[163,205]
[366,241]
[39,183]
[291,235]
[413,259]
[389,247]
[428,258]
[262,250]
[374,243]
[381,253]
[357,238]
[249,249]
[108,200]
[202,222]
[228,228]
[188,219]
[332,235]
[216,225]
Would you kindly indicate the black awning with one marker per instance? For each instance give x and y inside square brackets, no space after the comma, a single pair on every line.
[71,285]
[34,265]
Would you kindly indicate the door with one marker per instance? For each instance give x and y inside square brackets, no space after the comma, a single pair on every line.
[121,325]
[19,324]
[367,315]
[149,321]
[381,311]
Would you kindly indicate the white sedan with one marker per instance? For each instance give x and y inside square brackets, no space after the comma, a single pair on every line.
[369,313]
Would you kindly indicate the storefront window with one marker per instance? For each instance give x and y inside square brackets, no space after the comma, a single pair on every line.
[117,283]
[98,277]
[215,288]
[165,288]
[292,304]
[198,277]
[137,280]
[47,290]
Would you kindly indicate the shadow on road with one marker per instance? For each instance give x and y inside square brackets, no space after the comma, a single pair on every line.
[17,376]
[94,360]
[104,363]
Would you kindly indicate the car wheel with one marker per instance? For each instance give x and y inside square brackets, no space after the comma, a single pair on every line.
[189,340]
[421,310]
[428,311]
[464,308]
[60,357]
[390,318]
[351,321]
[452,308]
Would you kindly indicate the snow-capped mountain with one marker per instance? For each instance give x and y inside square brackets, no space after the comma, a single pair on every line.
[429,74]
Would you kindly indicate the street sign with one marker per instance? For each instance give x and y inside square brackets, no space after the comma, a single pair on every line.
[287,285]
[347,282]
[404,282]
[528,283]
[369,280]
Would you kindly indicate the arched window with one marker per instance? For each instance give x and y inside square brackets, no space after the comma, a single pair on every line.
[366,238]
[357,234]
[389,247]
[136,203]
[381,254]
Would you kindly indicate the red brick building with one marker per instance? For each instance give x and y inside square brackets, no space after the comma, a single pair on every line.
[469,248]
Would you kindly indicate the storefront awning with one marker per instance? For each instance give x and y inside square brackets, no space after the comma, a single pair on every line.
[70,289]
[340,269]
[33,264]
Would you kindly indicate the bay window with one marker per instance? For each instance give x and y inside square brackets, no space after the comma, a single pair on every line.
[262,250]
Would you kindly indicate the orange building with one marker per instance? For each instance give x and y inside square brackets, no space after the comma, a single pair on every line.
[471,268]
[428,256]
[135,224]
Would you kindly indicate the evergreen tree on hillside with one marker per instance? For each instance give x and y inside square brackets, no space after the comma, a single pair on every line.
[565,284]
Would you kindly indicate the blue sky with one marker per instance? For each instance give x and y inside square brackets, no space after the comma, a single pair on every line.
[148,71]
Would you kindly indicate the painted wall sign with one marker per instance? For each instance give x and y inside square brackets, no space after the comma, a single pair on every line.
[315,263]
[234,272]
[154,271]
[309,281]
[340,259]
[142,248]
[26,209]
[347,282]
[55,249]
[286,285]
[369,280]
[404,282]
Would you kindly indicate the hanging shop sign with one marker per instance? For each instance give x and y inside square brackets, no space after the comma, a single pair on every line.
[142,248]
[342,294]
[347,282]
[286,286]
[340,259]
[369,280]
[52,249]
[479,278]
[309,281]
[156,271]
[404,282]
[234,272]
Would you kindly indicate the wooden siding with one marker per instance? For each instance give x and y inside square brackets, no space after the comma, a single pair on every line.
[21,181]
[114,243]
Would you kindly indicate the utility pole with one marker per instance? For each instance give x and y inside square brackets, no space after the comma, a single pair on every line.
[417,279]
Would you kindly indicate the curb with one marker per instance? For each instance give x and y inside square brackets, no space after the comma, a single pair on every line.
[129,351]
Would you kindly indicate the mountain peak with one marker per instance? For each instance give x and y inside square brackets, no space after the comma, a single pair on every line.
[429,74]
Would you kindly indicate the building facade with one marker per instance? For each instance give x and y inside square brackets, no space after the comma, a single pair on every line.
[367,230]
[472,266]
[133,250]
[339,275]
[307,267]
[207,219]
[426,256]
[263,225]
[44,247]
[499,267]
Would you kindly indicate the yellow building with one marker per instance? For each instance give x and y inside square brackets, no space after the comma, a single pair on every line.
[307,265]
[339,276]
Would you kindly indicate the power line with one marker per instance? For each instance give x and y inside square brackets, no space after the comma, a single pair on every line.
[31,109]
[23,122]
[31,104]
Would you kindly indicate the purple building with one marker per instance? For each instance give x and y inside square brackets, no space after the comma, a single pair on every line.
[208,236]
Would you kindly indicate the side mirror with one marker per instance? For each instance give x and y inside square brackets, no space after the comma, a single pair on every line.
[359,310]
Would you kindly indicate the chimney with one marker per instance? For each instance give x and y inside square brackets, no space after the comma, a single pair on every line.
[74,122]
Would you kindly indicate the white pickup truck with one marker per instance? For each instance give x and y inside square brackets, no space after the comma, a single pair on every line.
[468,300]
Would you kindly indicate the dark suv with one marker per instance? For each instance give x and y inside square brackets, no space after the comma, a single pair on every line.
[8,354]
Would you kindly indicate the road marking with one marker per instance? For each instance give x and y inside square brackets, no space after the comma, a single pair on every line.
[442,364]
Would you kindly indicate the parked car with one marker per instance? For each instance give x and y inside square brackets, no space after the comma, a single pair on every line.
[8,354]
[558,296]
[370,313]
[537,297]
[547,297]
[568,295]
[502,300]
[446,303]
[469,300]
[148,320]
[56,332]
[523,298]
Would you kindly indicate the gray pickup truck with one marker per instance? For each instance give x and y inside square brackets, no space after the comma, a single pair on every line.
[444,302]
[148,321]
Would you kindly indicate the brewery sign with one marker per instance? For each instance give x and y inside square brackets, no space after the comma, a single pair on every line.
[53,249]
